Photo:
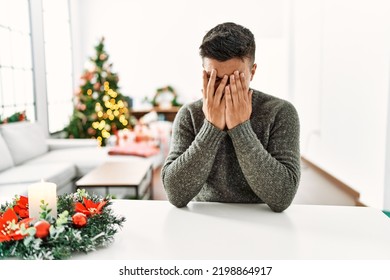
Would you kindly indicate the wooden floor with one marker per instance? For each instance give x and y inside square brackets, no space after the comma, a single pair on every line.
[314,188]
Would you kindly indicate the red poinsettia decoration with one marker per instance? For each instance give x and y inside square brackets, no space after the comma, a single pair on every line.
[10,228]
[89,207]
[22,116]
[21,207]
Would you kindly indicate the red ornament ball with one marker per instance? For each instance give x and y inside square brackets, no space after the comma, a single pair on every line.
[42,229]
[79,219]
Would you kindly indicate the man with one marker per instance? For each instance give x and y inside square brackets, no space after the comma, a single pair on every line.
[236,144]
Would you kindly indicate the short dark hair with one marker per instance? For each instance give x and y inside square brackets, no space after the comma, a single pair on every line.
[228,40]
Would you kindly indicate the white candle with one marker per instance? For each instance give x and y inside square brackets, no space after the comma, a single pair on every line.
[42,191]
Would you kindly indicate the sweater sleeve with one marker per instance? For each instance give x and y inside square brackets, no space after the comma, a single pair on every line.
[273,173]
[190,158]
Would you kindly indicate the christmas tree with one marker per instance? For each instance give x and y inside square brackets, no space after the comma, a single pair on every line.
[99,109]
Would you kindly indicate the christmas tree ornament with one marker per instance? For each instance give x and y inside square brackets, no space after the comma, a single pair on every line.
[42,229]
[79,219]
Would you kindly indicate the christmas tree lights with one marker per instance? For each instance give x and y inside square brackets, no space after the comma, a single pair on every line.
[99,110]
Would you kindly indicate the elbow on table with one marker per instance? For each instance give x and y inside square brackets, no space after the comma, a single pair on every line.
[278,208]
[174,198]
[282,204]
[177,202]
[286,195]
[174,195]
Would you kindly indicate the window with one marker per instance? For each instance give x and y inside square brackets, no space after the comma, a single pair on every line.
[58,57]
[16,76]
[16,63]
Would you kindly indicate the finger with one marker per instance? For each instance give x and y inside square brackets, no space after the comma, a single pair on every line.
[233,85]
[244,85]
[250,97]
[205,82]
[233,89]
[240,91]
[211,83]
[219,92]
[228,94]
[223,102]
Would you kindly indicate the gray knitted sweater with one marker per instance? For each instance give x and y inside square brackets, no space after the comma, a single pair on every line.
[257,161]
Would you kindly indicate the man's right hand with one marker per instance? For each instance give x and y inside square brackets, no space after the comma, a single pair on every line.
[214,99]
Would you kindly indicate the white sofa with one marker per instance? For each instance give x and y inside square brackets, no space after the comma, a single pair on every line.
[27,156]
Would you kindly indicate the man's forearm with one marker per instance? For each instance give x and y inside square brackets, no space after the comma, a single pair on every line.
[185,172]
[274,178]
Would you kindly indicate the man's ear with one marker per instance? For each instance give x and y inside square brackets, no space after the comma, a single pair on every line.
[253,70]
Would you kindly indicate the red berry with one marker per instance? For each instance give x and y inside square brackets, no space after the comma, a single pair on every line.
[79,219]
[42,228]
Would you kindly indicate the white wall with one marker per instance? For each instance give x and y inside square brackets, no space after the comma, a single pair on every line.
[156,43]
[341,86]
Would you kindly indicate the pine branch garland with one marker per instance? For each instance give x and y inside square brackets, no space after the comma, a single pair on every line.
[65,238]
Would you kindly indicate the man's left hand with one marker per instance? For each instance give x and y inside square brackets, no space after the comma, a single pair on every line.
[238,100]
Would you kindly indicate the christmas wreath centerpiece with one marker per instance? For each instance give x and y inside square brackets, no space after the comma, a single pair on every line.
[85,223]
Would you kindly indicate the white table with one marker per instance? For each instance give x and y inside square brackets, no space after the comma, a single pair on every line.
[158,230]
